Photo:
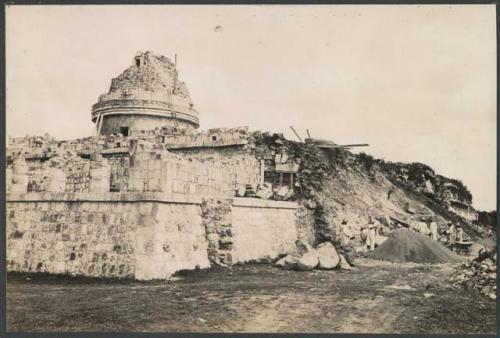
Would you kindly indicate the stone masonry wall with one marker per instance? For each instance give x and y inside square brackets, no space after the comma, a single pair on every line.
[240,230]
[176,175]
[262,232]
[100,235]
[142,235]
[114,123]
[217,219]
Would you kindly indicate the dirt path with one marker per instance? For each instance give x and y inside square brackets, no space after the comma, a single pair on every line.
[377,297]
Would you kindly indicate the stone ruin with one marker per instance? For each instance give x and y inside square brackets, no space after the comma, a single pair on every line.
[146,95]
[148,194]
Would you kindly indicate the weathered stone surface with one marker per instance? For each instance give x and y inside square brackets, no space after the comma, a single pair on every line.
[188,175]
[327,255]
[105,239]
[150,85]
[260,231]
[141,235]
[343,264]
[474,275]
[308,261]
[303,247]
[288,262]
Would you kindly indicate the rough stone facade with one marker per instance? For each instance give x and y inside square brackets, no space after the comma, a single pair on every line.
[141,235]
[217,220]
[146,95]
[177,175]
[149,195]
[262,230]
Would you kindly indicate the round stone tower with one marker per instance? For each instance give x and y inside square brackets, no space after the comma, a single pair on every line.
[146,95]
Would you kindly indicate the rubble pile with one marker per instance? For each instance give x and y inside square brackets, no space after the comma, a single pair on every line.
[37,180]
[476,275]
[68,161]
[408,246]
[337,185]
[306,258]
[151,74]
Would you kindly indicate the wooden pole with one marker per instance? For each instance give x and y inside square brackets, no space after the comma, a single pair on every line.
[296,134]
[99,126]
[353,145]
[96,126]
[175,73]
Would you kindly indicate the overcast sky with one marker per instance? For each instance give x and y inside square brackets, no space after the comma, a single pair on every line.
[418,83]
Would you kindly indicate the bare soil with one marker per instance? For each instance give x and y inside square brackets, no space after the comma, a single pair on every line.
[404,245]
[377,297]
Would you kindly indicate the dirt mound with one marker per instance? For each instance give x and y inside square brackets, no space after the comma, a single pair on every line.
[408,246]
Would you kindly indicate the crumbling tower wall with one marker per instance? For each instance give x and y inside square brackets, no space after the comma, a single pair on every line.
[145,96]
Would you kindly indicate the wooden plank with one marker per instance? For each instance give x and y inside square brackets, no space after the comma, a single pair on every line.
[399,221]
[289,167]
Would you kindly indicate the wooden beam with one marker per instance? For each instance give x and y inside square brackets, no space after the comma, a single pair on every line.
[99,126]
[400,221]
[296,134]
[353,145]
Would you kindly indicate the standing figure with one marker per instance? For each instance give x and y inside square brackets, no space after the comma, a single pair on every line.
[460,234]
[433,227]
[371,233]
[422,228]
[346,249]
[451,232]
[345,233]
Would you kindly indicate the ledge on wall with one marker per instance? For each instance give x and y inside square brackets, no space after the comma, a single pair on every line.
[101,197]
[260,203]
[142,197]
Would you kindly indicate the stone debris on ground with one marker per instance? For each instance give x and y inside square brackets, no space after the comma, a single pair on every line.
[408,246]
[477,275]
[306,258]
[308,261]
[343,263]
[328,257]
[265,191]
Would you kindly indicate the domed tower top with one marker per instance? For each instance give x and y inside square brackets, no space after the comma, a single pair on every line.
[147,95]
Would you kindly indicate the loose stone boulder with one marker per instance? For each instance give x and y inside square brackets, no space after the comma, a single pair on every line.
[308,261]
[343,263]
[327,256]
[479,276]
[287,262]
[303,247]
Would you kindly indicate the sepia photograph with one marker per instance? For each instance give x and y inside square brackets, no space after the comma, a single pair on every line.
[251,169]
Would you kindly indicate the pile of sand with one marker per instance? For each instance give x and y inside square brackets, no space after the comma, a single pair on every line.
[408,246]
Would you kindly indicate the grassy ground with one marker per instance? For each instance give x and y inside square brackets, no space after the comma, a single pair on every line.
[376,297]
